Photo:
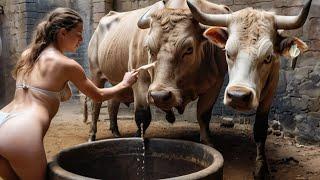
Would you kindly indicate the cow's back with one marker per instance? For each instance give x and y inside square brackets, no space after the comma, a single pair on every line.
[109,45]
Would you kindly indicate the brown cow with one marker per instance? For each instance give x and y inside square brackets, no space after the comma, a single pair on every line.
[252,47]
[187,66]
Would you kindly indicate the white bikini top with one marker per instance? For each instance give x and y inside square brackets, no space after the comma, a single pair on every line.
[62,95]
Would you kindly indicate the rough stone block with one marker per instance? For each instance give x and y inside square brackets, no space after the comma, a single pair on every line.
[241,2]
[22,7]
[289,11]
[134,5]
[313,29]
[309,89]
[97,17]
[299,104]
[307,128]
[31,6]
[313,104]
[97,1]
[99,7]
[286,3]
[302,73]
[124,6]
[225,2]
[308,59]
[33,15]
[263,5]
[314,45]
[239,7]
[282,85]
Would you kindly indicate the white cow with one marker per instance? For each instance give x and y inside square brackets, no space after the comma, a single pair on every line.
[252,47]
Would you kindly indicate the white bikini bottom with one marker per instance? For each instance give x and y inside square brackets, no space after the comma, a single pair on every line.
[4,117]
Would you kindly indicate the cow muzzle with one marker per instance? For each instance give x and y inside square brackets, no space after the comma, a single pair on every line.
[240,98]
[160,98]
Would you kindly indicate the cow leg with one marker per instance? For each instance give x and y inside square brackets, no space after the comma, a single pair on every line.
[95,115]
[113,108]
[85,109]
[204,121]
[260,127]
[170,117]
[95,111]
[142,110]
[260,130]
[204,111]
[142,115]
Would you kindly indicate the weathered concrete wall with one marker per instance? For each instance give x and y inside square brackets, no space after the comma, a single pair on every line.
[102,7]
[13,34]
[2,80]
[85,10]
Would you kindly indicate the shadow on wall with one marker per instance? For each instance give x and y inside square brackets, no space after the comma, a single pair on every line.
[2,87]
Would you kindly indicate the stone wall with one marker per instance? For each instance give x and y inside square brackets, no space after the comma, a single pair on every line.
[2,69]
[102,7]
[13,34]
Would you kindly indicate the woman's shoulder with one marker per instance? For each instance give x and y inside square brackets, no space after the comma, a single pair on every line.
[57,58]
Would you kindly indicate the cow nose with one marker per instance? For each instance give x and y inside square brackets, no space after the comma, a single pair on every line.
[240,95]
[160,96]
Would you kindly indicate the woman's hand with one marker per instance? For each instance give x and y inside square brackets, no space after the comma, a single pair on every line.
[130,78]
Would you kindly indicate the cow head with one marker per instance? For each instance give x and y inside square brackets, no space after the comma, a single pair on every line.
[174,42]
[252,46]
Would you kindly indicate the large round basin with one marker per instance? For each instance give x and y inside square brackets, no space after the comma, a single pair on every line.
[123,159]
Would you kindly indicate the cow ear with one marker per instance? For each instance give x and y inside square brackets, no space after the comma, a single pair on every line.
[217,35]
[292,47]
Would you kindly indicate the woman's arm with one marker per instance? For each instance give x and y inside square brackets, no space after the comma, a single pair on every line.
[76,75]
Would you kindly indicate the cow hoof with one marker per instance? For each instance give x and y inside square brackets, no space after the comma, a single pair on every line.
[207,142]
[262,171]
[170,117]
[262,176]
[92,138]
[116,133]
[138,133]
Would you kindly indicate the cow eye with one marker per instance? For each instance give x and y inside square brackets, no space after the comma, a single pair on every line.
[189,51]
[268,59]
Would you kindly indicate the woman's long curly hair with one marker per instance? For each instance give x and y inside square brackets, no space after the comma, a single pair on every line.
[46,33]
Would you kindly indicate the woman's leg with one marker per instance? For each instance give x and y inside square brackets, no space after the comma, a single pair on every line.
[30,165]
[22,146]
[6,171]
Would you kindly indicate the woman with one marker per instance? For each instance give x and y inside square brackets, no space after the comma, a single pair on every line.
[42,74]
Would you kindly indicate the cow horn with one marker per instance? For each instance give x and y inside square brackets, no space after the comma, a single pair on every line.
[293,22]
[209,19]
[144,21]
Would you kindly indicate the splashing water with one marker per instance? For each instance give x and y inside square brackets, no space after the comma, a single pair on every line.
[141,130]
[143,151]
[140,171]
